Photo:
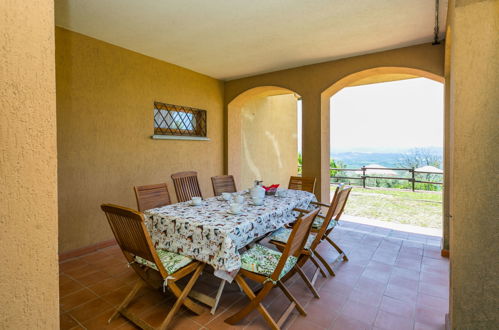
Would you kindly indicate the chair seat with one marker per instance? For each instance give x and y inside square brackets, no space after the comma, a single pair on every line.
[170,260]
[317,224]
[282,235]
[262,260]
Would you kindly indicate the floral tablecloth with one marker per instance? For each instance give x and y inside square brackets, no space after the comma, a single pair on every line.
[210,234]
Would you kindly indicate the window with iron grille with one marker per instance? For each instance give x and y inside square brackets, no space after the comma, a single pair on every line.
[177,120]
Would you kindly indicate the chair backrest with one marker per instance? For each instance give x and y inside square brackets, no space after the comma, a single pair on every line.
[223,184]
[339,202]
[334,212]
[302,183]
[131,234]
[152,196]
[338,188]
[186,185]
[296,241]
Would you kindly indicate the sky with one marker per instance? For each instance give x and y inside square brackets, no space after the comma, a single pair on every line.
[387,116]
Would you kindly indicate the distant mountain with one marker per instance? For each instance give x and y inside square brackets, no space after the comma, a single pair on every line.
[387,150]
[357,159]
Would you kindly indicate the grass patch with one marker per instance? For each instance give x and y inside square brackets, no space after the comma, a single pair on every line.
[418,208]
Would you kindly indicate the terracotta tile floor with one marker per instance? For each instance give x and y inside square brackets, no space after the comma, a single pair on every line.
[394,280]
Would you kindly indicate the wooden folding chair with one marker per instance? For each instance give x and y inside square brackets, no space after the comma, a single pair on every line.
[267,266]
[158,268]
[223,184]
[152,196]
[186,185]
[280,238]
[302,183]
[335,210]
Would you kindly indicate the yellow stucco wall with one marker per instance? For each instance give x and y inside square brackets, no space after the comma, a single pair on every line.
[311,82]
[28,167]
[268,140]
[474,226]
[105,98]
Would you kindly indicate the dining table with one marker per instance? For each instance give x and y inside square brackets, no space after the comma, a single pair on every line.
[211,233]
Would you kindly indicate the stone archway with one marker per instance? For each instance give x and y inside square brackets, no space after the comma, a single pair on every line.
[388,70]
[409,72]
[261,135]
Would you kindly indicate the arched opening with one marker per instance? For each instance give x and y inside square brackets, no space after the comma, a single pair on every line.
[372,73]
[262,136]
[386,74]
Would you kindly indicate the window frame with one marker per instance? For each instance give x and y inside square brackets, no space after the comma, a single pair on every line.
[198,122]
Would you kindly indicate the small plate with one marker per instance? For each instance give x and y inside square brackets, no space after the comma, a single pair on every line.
[192,204]
[233,213]
[253,203]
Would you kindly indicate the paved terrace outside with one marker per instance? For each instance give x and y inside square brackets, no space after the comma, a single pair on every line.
[394,280]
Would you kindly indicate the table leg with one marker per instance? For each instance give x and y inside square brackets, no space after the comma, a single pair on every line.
[208,300]
[217,297]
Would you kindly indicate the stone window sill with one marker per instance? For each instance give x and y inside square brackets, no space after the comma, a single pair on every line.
[174,137]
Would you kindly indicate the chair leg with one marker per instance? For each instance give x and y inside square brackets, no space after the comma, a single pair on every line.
[325,263]
[319,268]
[255,302]
[340,251]
[138,285]
[189,303]
[315,276]
[293,299]
[307,282]
[181,297]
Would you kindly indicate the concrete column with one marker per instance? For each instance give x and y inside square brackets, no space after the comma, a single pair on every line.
[474,226]
[448,145]
[28,167]
[315,143]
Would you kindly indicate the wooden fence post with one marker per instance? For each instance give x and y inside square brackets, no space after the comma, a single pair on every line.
[364,176]
[413,180]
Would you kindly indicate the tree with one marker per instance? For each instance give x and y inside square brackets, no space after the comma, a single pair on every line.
[419,157]
[300,163]
[335,164]
[332,164]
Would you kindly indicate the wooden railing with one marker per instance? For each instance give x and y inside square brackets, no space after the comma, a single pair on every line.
[412,178]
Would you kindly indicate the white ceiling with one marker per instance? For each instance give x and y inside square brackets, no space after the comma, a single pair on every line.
[228,39]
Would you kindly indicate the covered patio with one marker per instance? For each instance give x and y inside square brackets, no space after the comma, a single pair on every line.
[102,99]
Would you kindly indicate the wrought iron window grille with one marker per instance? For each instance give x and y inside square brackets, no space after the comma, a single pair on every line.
[177,120]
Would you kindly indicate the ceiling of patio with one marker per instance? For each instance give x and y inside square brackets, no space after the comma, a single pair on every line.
[231,39]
